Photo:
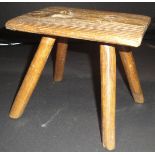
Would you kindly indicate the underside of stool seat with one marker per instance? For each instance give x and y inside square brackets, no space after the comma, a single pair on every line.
[102,26]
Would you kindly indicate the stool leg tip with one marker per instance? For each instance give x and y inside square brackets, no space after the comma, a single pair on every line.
[57,79]
[139,99]
[109,148]
[13,116]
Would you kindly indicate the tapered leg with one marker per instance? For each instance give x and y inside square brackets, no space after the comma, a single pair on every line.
[60,59]
[108,94]
[31,77]
[131,73]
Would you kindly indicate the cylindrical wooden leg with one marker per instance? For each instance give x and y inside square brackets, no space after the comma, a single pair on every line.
[108,94]
[131,73]
[60,59]
[31,77]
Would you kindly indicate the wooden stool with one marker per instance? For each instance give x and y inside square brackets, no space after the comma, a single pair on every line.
[108,28]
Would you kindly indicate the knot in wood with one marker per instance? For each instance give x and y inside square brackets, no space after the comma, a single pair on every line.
[64,14]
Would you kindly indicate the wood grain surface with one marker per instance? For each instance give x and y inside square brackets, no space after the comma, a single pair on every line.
[61,54]
[93,25]
[108,95]
[32,77]
[132,74]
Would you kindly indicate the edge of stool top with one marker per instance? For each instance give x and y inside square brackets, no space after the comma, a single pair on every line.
[102,26]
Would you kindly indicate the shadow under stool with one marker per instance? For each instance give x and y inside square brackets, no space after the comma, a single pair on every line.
[107,28]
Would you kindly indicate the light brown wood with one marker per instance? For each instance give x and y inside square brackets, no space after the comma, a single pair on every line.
[102,26]
[132,74]
[108,94]
[60,59]
[32,77]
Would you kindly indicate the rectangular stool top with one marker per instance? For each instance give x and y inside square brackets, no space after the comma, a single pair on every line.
[101,26]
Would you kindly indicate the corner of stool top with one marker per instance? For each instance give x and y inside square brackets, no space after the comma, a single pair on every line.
[102,26]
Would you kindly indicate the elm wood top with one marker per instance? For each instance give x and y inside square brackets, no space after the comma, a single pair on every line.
[93,25]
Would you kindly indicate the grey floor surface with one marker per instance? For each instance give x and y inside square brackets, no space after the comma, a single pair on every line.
[64,116]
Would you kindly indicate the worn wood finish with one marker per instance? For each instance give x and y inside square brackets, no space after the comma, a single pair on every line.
[60,59]
[108,94]
[32,77]
[102,26]
[132,74]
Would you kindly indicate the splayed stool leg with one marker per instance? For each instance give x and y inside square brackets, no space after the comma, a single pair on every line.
[60,59]
[32,77]
[108,94]
[131,73]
